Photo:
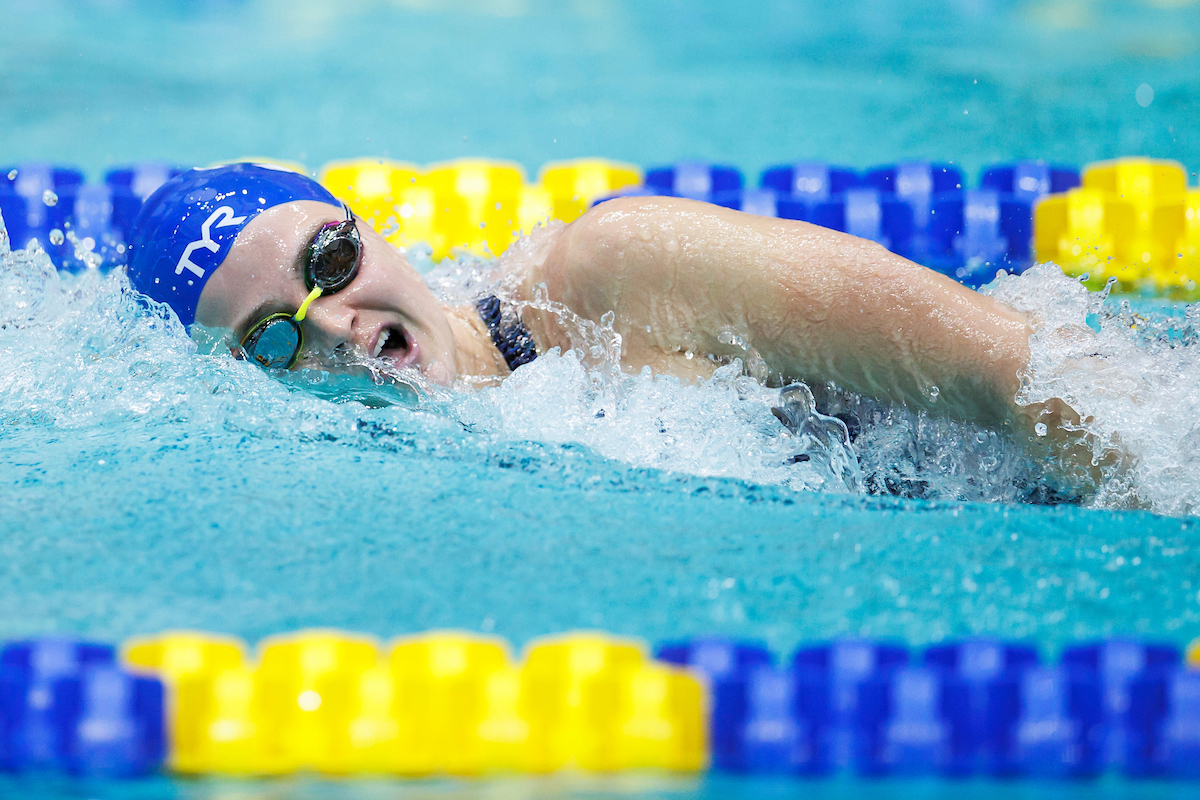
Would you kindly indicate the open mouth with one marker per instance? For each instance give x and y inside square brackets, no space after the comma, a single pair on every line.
[394,344]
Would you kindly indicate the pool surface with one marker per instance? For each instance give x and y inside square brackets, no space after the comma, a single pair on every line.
[578,787]
[144,486]
[102,82]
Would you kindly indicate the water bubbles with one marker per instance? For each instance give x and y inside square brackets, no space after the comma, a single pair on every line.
[1144,95]
[12,175]
[56,237]
[934,393]
[49,198]
[84,250]
[1040,429]
[732,338]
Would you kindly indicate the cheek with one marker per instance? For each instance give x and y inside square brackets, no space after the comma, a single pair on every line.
[440,373]
[407,289]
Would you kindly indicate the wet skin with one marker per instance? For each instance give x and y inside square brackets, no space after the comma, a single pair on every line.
[817,305]
[681,277]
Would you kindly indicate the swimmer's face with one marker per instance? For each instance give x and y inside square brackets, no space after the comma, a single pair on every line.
[387,300]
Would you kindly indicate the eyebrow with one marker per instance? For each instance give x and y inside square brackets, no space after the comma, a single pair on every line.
[269,306]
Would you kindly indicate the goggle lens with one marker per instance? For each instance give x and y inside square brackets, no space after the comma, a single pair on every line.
[274,343]
[333,257]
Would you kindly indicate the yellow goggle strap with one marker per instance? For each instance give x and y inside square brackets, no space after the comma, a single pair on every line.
[308,301]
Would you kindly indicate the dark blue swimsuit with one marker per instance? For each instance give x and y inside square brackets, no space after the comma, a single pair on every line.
[509,334]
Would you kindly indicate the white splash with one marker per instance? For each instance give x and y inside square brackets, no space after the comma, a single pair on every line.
[82,351]
[1133,378]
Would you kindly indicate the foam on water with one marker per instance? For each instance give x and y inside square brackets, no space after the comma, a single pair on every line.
[1133,378]
[83,351]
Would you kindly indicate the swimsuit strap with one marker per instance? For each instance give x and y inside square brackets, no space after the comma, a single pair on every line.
[509,334]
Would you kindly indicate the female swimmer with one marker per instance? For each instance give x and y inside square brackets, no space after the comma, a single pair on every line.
[273,260]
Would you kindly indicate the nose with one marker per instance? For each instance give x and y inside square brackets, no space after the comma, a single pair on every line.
[330,323]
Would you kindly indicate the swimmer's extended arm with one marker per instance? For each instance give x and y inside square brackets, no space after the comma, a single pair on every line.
[817,305]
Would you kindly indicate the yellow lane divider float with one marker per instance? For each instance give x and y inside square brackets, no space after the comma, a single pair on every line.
[437,703]
[475,205]
[1133,219]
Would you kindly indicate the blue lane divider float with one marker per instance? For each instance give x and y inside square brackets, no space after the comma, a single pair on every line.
[66,706]
[68,217]
[99,213]
[969,669]
[35,179]
[141,179]
[916,185]
[809,181]
[868,214]
[922,211]
[1163,727]
[1117,663]
[902,722]
[973,708]
[695,179]
[29,200]
[1047,722]
[102,214]
[1029,179]
[837,669]
[29,218]
[973,233]
[786,718]
[763,202]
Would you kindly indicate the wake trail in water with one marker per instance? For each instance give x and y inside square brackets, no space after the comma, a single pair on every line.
[84,353]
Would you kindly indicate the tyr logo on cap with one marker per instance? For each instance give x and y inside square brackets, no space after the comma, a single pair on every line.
[226,215]
[189,224]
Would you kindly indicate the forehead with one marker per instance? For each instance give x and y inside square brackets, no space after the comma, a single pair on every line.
[261,264]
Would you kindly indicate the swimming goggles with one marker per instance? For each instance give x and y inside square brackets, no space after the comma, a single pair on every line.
[330,265]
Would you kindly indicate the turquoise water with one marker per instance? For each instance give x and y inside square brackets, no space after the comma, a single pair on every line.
[149,486]
[596,788]
[106,81]
[145,486]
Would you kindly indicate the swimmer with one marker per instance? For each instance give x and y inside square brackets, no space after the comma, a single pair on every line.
[289,276]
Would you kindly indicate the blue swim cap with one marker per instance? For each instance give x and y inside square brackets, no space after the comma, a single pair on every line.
[186,228]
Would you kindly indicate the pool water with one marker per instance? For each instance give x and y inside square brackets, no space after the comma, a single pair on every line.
[577,787]
[102,82]
[155,487]
[147,485]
